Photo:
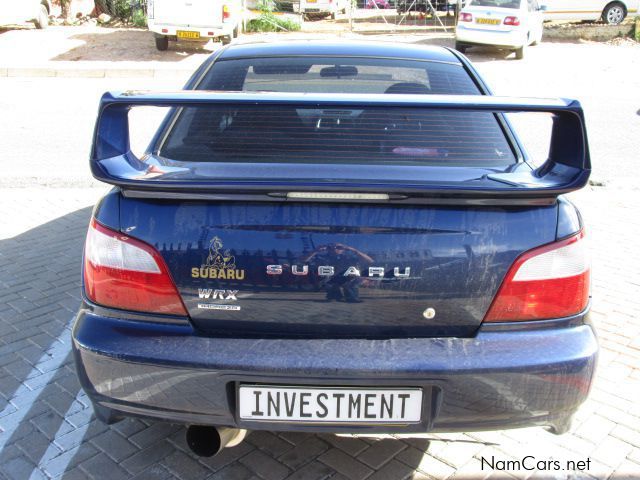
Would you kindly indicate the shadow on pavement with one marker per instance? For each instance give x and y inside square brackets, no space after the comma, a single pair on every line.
[40,285]
[48,427]
[129,45]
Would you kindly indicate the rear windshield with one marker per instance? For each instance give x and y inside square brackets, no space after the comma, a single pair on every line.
[338,75]
[368,135]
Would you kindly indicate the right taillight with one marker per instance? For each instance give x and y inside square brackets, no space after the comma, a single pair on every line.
[226,13]
[548,282]
[465,17]
[513,21]
[125,273]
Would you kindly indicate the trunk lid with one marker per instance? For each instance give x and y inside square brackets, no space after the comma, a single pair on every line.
[314,269]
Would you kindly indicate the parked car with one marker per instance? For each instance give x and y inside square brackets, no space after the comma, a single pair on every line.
[510,24]
[195,20]
[20,11]
[381,4]
[323,8]
[611,12]
[336,237]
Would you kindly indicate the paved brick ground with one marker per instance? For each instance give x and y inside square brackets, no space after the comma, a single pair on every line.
[48,431]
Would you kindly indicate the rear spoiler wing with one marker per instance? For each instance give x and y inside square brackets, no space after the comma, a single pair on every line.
[567,168]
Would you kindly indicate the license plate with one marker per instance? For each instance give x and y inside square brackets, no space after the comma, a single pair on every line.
[311,1]
[187,34]
[488,21]
[329,404]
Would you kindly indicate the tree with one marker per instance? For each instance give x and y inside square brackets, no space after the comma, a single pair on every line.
[65,9]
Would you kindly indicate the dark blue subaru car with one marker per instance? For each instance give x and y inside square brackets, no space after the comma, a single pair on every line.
[336,237]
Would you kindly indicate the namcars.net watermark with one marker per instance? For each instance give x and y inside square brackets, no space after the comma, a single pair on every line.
[530,463]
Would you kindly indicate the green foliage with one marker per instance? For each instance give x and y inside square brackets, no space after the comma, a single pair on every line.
[133,11]
[265,6]
[637,29]
[116,8]
[139,19]
[268,22]
[121,9]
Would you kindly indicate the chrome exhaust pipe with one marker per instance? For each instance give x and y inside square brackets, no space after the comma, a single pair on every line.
[207,441]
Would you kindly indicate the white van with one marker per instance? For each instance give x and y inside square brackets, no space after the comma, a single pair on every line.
[609,11]
[316,8]
[193,20]
[19,11]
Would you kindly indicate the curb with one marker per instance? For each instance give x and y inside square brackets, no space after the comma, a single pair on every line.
[439,31]
[92,72]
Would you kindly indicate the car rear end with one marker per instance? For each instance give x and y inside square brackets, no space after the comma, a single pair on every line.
[319,7]
[194,20]
[483,23]
[335,261]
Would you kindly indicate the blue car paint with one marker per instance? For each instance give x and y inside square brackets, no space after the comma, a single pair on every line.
[176,374]
[494,376]
[333,48]
[456,256]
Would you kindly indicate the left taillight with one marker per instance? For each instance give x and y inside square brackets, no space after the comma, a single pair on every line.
[124,273]
[552,281]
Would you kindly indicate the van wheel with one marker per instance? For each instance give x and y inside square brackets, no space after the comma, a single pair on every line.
[162,43]
[461,47]
[43,18]
[614,13]
[520,52]
[226,40]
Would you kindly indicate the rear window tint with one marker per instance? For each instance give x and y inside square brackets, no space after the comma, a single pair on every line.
[402,136]
[369,135]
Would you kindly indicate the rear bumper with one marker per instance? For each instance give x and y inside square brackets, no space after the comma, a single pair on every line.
[498,379]
[203,32]
[319,8]
[507,39]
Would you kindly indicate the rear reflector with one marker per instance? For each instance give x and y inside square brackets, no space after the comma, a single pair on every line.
[124,273]
[515,21]
[552,281]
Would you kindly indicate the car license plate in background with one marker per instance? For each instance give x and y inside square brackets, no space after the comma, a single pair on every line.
[330,405]
[187,34]
[489,21]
